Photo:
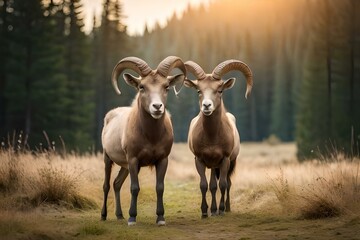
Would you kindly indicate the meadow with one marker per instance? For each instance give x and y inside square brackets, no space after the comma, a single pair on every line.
[48,196]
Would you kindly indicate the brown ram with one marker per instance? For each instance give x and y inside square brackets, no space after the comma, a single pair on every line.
[213,137]
[140,135]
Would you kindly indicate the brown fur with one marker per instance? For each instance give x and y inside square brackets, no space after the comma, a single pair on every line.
[214,140]
[140,135]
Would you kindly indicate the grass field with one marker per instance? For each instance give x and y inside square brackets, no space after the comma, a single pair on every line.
[45,196]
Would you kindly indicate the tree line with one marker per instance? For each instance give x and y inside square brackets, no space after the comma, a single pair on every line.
[305,56]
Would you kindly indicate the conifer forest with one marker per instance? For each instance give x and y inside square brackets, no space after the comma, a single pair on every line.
[55,79]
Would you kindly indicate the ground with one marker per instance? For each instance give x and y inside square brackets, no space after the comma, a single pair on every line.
[257,212]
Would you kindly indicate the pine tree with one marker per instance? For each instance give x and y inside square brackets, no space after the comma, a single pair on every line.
[5,29]
[282,121]
[354,37]
[313,127]
[252,113]
[343,119]
[36,85]
[325,122]
[111,41]
[80,87]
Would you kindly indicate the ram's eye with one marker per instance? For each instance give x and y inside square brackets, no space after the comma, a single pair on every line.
[198,91]
[220,91]
[167,88]
[141,88]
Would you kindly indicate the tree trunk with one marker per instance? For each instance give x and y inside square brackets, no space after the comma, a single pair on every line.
[328,68]
[28,82]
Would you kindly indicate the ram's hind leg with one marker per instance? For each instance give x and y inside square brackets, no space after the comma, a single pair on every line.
[231,171]
[213,189]
[223,183]
[161,168]
[106,186]
[227,202]
[118,182]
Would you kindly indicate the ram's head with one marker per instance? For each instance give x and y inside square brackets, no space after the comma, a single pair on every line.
[210,86]
[152,85]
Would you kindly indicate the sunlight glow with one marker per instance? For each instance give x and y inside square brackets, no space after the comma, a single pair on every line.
[138,13]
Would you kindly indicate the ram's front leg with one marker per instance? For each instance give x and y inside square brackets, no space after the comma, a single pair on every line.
[134,189]
[200,167]
[161,168]
[223,184]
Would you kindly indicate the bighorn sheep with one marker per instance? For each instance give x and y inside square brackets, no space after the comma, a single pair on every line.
[213,137]
[140,135]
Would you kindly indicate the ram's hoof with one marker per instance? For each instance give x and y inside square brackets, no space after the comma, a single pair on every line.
[160,221]
[131,221]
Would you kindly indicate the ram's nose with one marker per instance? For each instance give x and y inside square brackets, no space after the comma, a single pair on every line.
[157,106]
[157,109]
[207,107]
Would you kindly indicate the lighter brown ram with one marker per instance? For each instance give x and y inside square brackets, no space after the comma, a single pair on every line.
[213,137]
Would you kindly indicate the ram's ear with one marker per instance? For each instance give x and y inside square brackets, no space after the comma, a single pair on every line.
[176,82]
[229,83]
[131,80]
[190,83]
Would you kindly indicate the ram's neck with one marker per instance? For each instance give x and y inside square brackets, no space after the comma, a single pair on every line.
[213,124]
[153,129]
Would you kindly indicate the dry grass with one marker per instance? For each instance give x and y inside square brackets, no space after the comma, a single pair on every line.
[327,190]
[271,193]
[11,173]
[28,181]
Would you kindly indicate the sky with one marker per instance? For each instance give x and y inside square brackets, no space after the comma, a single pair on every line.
[137,13]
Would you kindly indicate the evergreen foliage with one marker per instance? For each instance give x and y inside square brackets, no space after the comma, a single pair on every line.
[79,82]
[5,29]
[35,86]
[325,119]
[109,46]
[305,56]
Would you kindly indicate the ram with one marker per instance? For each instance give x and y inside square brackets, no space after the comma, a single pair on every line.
[213,137]
[142,134]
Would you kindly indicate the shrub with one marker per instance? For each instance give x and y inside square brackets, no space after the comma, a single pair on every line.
[330,195]
[54,185]
[282,190]
[28,180]
[11,172]
[273,140]
[59,187]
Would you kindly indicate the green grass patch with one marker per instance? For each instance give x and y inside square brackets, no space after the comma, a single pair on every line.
[93,229]
[9,227]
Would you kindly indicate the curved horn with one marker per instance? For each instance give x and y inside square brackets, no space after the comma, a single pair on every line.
[195,69]
[230,65]
[133,63]
[166,65]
